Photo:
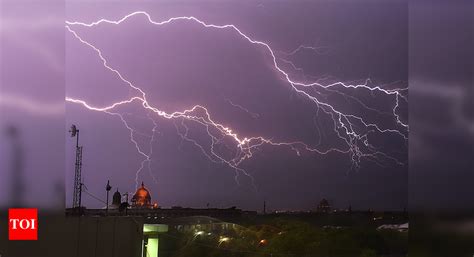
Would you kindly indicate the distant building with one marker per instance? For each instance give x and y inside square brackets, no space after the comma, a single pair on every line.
[323,206]
[201,223]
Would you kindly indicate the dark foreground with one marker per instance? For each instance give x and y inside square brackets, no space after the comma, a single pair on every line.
[285,234]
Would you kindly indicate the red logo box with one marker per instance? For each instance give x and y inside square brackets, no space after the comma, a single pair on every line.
[23,224]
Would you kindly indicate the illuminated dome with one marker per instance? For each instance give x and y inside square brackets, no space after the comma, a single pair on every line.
[141,198]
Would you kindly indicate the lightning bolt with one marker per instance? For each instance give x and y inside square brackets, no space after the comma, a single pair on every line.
[252,114]
[357,144]
[319,50]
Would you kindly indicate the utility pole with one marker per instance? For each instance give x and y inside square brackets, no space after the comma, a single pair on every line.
[76,200]
[107,188]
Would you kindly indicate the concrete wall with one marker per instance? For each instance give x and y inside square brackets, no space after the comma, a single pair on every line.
[85,236]
[54,238]
[77,237]
[105,236]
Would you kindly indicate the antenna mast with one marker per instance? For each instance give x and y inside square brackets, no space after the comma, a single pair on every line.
[76,200]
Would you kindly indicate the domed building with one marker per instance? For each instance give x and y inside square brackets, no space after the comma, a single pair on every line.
[323,206]
[116,200]
[142,198]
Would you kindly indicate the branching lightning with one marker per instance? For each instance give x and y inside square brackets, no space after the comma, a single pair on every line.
[357,144]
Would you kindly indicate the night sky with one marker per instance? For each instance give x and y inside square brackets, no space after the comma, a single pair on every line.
[182,64]
[423,43]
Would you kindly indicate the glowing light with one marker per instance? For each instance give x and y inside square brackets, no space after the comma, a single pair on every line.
[223,240]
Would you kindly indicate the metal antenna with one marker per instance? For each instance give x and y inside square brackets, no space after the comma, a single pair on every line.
[76,201]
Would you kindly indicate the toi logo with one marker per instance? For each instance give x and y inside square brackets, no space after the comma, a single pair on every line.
[23,224]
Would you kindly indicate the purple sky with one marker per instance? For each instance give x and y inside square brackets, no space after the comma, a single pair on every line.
[182,64]
[31,104]
[41,63]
